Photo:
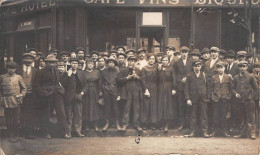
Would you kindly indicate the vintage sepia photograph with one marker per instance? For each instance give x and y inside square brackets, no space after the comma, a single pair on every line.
[129,77]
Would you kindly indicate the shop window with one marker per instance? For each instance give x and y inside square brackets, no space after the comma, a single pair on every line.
[108,28]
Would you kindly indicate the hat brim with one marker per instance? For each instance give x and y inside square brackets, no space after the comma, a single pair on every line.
[108,60]
[51,60]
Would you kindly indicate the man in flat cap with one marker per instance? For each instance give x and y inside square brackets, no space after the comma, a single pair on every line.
[220,91]
[29,109]
[182,67]
[121,57]
[244,84]
[141,58]
[12,91]
[120,49]
[205,56]
[232,69]
[132,91]
[170,50]
[113,53]
[65,56]
[73,84]
[210,69]
[195,54]
[222,53]
[101,64]
[34,52]
[53,51]
[241,55]
[196,97]
[51,92]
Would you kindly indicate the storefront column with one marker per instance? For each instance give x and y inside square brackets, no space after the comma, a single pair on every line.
[60,30]
[11,47]
[54,28]
[80,35]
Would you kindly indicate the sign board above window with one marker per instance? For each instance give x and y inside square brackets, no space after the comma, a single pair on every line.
[152,18]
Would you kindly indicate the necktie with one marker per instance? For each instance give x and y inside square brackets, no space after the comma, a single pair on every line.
[228,67]
[26,71]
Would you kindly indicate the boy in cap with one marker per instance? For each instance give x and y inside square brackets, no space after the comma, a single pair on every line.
[110,92]
[61,67]
[195,54]
[73,84]
[182,67]
[64,56]
[170,50]
[205,55]
[132,90]
[12,91]
[196,97]
[29,108]
[220,92]
[244,84]
[113,53]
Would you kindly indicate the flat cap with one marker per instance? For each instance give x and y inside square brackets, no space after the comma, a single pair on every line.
[61,63]
[120,47]
[132,58]
[250,55]
[31,49]
[196,62]
[80,49]
[113,51]
[204,50]
[177,53]
[104,54]
[220,64]
[170,47]
[122,54]
[160,53]
[111,58]
[74,59]
[216,49]
[64,53]
[94,52]
[222,52]
[257,64]
[11,65]
[230,54]
[53,50]
[241,53]
[195,52]
[140,50]
[185,48]
[241,63]
[129,50]
[28,55]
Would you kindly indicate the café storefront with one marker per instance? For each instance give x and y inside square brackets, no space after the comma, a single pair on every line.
[101,25]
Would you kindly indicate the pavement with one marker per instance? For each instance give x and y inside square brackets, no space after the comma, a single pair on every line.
[133,145]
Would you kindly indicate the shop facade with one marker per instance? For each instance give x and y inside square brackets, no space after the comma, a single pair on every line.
[101,25]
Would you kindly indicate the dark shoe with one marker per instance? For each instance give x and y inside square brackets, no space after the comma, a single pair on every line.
[79,134]
[138,128]
[226,134]
[192,134]
[48,136]
[180,127]
[206,135]
[66,136]
[212,134]
[253,136]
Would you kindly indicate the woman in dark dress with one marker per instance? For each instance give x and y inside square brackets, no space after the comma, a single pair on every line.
[92,91]
[149,107]
[166,91]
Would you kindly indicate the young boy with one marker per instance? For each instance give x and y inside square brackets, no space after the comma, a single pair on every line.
[221,90]
[12,91]
[196,96]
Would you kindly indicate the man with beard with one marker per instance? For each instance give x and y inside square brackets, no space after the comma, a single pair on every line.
[182,67]
[110,92]
[129,78]
[29,113]
[142,62]
[244,84]
[81,55]
[170,50]
[51,93]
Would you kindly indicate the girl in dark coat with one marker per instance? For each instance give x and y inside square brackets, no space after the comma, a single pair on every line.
[167,92]
[149,107]
[92,91]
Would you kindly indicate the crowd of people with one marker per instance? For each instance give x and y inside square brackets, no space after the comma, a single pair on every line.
[203,91]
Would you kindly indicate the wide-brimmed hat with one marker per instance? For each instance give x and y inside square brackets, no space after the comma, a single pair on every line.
[51,58]
[112,59]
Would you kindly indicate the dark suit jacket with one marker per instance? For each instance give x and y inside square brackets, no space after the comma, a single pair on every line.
[181,71]
[210,71]
[195,88]
[45,85]
[70,88]
[233,71]
[245,86]
[34,71]
[221,91]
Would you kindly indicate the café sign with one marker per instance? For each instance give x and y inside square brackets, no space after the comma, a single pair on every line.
[169,3]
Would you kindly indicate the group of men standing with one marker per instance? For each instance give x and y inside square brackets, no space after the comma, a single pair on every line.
[220,88]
